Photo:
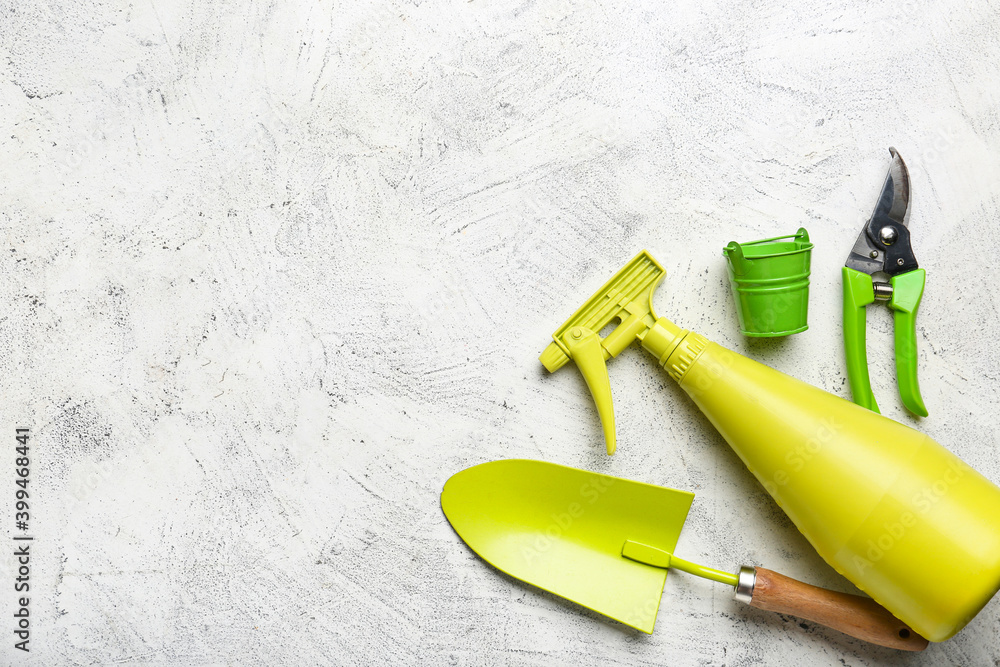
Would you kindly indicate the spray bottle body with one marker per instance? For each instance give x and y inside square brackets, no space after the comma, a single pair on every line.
[890,509]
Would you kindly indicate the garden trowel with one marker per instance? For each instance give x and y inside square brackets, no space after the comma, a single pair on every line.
[606,543]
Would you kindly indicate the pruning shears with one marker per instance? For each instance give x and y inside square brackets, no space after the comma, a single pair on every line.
[883,251]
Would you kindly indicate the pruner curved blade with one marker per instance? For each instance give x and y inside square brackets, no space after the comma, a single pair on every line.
[884,247]
[884,242]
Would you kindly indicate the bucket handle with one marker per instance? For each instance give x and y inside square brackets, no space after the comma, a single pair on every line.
[801,235]
[738,260]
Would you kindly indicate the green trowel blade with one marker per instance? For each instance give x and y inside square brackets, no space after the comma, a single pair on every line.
[562,529]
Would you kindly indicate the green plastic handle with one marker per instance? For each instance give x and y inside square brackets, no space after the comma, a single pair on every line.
[644,553]
[858,293]
[907,290]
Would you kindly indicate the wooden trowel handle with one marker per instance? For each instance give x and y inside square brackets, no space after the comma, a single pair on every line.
[853,615]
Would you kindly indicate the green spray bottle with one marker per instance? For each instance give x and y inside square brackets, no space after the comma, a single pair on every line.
[896,513]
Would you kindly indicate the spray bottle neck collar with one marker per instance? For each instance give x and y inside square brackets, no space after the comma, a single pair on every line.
[662,339]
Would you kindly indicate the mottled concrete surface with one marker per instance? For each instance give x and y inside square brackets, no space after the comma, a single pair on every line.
[273,271]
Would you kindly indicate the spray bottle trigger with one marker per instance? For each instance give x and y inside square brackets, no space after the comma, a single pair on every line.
[586,350]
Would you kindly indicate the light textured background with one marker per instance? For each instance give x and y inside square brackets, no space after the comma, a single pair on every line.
[273,271]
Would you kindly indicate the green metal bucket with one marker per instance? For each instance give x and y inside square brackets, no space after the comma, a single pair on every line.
[770,281]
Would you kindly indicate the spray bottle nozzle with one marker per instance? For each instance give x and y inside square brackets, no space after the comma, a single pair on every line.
[627,298]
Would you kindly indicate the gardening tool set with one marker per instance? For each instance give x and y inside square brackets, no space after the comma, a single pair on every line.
[897,514]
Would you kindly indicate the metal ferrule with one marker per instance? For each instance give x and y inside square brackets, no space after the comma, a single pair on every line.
[744,587]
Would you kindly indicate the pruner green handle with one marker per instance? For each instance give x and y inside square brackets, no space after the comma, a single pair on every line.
[859,292]
[907,290]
